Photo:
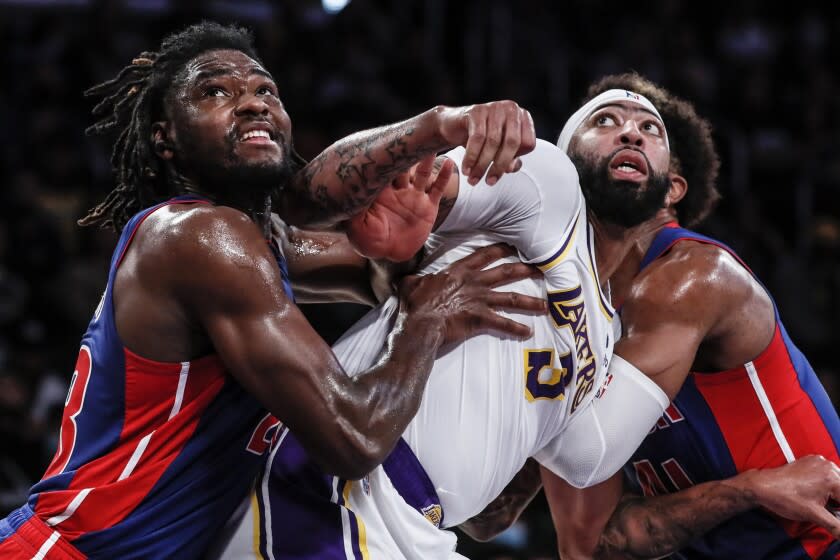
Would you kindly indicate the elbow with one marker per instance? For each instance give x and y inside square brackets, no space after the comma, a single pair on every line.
[354,457]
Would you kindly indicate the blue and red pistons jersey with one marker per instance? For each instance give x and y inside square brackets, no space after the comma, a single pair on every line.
[153,457]
[762,414]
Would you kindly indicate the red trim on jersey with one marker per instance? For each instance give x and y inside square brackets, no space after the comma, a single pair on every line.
[748,433]
[150,390]
[28,539]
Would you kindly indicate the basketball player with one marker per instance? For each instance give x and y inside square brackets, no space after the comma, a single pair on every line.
[688,303]
[490,404]
[197,339]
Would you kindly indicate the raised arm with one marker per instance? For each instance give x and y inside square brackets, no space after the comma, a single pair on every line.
[229,280]
[347,176]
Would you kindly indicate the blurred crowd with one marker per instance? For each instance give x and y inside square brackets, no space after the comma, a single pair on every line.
[765,77]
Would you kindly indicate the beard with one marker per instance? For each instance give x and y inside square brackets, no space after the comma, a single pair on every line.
[623,203]
[231,178]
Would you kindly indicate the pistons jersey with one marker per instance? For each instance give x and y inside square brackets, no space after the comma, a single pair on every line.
[153,457]
[762,414]
[490,402]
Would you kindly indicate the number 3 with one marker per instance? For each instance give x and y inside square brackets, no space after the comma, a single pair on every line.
[554,387]
[72,407]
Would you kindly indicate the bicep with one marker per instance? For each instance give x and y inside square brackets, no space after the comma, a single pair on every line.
[661,335]
[234,291]
[580,515]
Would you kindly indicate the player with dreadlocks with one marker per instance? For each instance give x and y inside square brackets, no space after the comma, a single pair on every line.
[197,348]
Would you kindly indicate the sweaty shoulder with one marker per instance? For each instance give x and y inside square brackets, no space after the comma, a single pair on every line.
[197,232]
[695,275]
[201,245]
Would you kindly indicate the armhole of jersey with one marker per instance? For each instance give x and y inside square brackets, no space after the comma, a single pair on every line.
[555,257]
[142,219]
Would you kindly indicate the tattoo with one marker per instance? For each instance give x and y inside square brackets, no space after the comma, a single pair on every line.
[660,525]
[367,162]
[445,206]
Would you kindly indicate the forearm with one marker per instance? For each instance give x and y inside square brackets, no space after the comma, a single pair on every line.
[503,512]
[347,176]
[660,525]
[376,406]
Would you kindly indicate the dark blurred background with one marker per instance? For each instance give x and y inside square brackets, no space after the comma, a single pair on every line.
[765,77]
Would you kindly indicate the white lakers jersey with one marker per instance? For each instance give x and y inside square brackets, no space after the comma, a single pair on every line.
[493,402]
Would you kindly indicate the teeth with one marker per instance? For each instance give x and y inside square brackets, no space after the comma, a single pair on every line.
[626,167]
[255,134]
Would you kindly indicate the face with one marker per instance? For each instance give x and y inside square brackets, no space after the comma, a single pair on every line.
[622,159]
[227,125]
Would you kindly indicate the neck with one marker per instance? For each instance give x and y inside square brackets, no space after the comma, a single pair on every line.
[625,248]
[254,203]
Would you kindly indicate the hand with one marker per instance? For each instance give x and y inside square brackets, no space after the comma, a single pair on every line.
[800,491]
[463,296]
[399,220]
[496,133]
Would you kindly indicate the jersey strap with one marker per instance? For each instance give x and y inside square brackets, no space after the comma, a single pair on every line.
[413,484]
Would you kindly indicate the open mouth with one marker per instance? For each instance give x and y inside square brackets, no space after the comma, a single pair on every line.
[629,165]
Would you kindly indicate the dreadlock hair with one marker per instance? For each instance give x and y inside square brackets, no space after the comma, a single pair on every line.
[693,153]
[133,100]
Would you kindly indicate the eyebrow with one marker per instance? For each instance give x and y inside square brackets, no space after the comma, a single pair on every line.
[626,108]
[216,72]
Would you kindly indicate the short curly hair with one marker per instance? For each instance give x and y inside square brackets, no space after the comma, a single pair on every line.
[693,152]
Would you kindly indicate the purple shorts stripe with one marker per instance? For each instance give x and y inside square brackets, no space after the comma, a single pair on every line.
[355,532]
[305,523]
[413,484]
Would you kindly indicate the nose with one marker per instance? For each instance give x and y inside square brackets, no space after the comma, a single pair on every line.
[250,103]
[630,134]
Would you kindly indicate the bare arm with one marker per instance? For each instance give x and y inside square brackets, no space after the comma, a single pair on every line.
[228,281]
[503,512]
[599,522]
[324,267]
[348,176]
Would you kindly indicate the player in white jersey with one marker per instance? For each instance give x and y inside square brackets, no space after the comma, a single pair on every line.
[490,403]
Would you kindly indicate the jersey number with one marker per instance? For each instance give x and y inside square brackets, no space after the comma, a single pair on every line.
[72,407]
[265,435]
[542,379]
[652,484]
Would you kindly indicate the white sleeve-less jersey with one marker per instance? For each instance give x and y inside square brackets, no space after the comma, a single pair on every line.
[492,402]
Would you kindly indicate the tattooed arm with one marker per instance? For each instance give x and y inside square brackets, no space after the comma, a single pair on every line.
[599,522]
[349,175]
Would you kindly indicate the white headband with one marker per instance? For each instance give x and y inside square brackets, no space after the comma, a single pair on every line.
[609,96]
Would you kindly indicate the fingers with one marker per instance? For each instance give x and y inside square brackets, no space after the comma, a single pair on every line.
[476,133]
[511,140]
[489,320]
[437,188]
[423,172]
[484,256]
[824,518]
[514,301]
[497,133]
[504,274]
[496,129]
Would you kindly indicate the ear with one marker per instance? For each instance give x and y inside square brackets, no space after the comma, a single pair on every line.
[677,190]
[162,140]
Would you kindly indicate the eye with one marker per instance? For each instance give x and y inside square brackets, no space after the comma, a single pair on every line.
[604,119]
[266,90]
[652,127]
[214,91]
